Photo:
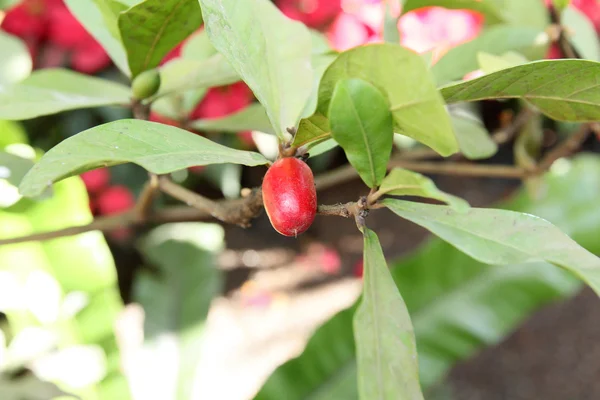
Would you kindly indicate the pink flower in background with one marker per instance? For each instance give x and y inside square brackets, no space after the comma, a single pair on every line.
[313,13]
[591,8]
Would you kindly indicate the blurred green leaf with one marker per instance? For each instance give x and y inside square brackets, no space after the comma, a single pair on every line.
[251,118]
[385,342]
[198,47]
[524,12]
[176,301]
[473,139]
[254,36]
[516,238]
[457,305]
[156,147]
[560,5]
[50,91]
[152,28]
[499,39]
[27,387]
[100,19]
[4,4]
[362,125]
[11,132]
[527,149]
[489,63]
[417,108]
[561,89]
[13,168]
[402,182]
[16,63]
[227,177]
[582,33]
[492,12]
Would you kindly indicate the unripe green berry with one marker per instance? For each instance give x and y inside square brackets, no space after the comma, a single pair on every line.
[146,84]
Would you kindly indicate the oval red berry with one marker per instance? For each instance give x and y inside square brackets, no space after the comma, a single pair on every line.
[289,196]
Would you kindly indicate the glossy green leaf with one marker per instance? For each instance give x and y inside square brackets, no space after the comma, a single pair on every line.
[251,118]
[473,139]
[417,108]
[402,182]
[312,129]
[152,28]
[386,353]
[561,89]
[493,14]
[499,39]
[156,147]
[490,63]
[100,19]
[362,125]
[515,237]
[457,305]
[176,299]
[255,37]
[50,91]
[16,62]
[582,33]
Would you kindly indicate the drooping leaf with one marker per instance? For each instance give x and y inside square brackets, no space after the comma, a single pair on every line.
[493,14]
[156,147]
[402,182]
[50,91]
[152,28]
[473,139]
[176,301]
[100,19]
[362,125]
[458,306]
[16,62]
[561,89]
[255,37]
[417,109]
[503,237]
[385,342]
[582,33]
[499,39]
[251,118]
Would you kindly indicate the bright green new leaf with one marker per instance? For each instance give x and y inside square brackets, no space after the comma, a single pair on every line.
[16,62]
[497,40]
[99,17]
[403,77]
[561,89]
[50,91]
[176,301]
[251,118]
[156,147]
[473,139]
[362,125]
[582,33]
[492,12]
[312,129]
[152,28]
[268,50]
[503,237]
[386,352]
[402,182]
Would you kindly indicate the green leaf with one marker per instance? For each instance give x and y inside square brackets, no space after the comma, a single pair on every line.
[176,300]
[402,182]
[493,14]
[255,37]
[385,343]
[251,118]
[156,147]
[312,129]
[458,306]
[362,125]
[16,62]
[497,40]
[490,63]
[560,5]
[13,168]
[50,91]
[11,132]
[524,12]
[152,28]
[198,47]
[582,33]
[561,89]
[318,148]
[5,4]
[514,238]
[416,106]
[99,17]
[527,149]
[473,139]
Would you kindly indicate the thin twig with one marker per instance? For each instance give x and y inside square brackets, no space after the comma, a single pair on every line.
[566,148]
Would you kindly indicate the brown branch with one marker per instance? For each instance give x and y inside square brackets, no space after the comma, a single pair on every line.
[566,148]
[560,35]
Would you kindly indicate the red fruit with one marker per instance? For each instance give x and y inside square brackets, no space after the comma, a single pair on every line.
[290,196]
[96,180]
[114,200]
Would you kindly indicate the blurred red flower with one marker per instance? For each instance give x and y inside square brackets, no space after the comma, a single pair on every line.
[313,13]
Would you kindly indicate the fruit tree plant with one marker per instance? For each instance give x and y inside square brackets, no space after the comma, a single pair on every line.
[313,99]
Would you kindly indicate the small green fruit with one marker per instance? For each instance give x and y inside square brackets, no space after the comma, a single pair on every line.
[146,84]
